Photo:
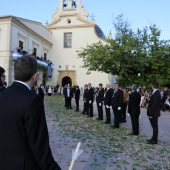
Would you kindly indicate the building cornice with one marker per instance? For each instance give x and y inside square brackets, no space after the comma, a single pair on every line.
[70,26]
[20,24]
[15,21]
[86,22]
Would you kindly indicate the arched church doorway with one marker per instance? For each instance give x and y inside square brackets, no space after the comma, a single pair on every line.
[66,80]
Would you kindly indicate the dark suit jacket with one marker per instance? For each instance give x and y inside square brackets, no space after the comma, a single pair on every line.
[108,97]
[134,103]
[71,93]
[100,96]
[41,92]
[2,88]
[65,91]
[85,94]
[164,97]
[154,105]
[24,140]
[117,99]
[90,94]
[77,94]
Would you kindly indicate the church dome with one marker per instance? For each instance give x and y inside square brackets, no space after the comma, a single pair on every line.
[99,31]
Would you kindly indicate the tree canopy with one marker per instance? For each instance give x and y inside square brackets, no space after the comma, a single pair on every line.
[136,57]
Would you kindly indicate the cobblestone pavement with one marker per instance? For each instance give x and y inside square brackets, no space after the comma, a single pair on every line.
[94,156]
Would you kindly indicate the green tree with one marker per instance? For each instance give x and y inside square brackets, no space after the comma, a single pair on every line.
[136,57]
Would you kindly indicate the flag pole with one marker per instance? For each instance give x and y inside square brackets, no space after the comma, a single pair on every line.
[74,156]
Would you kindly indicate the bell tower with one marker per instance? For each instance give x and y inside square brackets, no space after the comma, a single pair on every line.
[70,7]
[68,4]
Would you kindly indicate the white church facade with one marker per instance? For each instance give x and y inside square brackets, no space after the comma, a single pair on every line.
[57,41]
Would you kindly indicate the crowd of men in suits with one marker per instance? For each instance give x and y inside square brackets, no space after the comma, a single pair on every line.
[117,99]
[24,135]
[68,93]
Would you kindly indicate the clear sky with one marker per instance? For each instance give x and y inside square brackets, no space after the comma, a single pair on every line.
[139,13]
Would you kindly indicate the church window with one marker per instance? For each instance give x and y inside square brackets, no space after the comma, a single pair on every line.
[45,56]
[21,44]
[34,51]
[68,40]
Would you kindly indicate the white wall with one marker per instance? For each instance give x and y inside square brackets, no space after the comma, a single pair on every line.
[37,27]
[5,46]
[10,34]
[81,37]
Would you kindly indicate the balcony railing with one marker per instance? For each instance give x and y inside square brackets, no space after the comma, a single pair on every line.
[41,62]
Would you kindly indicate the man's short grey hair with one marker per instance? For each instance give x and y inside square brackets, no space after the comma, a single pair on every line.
[134,87]
[108,85]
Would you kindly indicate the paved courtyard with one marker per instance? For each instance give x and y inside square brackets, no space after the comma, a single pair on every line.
[104,148]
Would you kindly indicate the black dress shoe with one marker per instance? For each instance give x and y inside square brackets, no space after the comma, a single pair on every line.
[107,122]
[148,140]
[124,121]
[82,113]
[151,142]
[133,134]
[114,127]
[90,115]
[99,118]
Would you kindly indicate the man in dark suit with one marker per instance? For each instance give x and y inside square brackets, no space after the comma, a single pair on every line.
[134,109]
[65,95]
[153,112]
[69,96]
[85,107]
[107,102]
[41,91]
[90,97]
[77,97]
[117,100]
[124,104]
[164,97]
[2,79]
[24,143]
[166,105]
[99,100]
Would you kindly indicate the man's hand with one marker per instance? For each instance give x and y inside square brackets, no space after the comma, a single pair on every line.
[119,108]
[108,107]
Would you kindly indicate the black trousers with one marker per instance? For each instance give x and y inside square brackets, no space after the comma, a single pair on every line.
[68,104]
[135,124]
[107,114]
[117,115]
[85,109]
[65,101]
[90,108]
[100,110]
[154,124]
[124,106]
[77,104]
